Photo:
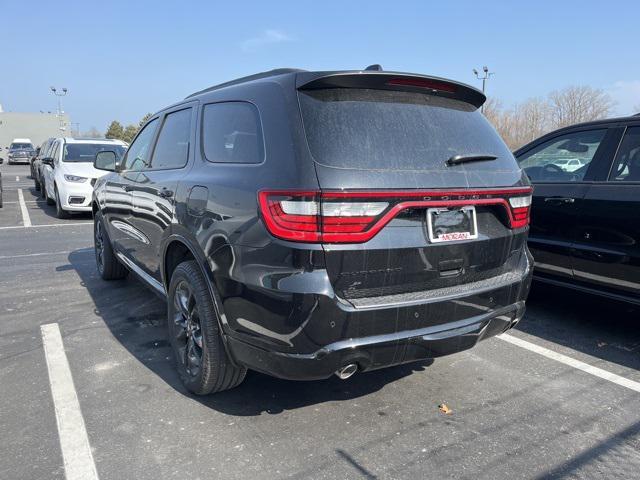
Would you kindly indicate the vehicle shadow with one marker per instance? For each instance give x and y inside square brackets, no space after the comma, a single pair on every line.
[590,324]
[136,318]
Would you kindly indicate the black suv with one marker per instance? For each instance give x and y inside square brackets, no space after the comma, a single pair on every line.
[309,223]
[585,229]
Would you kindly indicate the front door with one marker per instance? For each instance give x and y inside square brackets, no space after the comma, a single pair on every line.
[607,248]
[558,194]
[118,209]
[153,191]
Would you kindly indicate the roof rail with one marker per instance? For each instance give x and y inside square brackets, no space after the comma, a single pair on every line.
[248,78]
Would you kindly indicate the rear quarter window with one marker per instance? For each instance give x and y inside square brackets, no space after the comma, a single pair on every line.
[231,133]
[394,130]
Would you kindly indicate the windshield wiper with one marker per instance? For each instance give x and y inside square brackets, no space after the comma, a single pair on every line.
[458,159]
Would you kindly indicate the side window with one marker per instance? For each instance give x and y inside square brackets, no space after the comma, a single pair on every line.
[138,153]
[231,133]
[562,159]
[626,166]
[172,147]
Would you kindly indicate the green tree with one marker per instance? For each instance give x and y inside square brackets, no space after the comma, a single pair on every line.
[144,120]
[129,133]
[115,130]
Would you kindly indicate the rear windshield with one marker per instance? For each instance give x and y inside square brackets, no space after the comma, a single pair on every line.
[391,130]
[86,152]
[15,146]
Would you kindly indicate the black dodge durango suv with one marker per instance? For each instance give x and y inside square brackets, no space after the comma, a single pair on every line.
[309,223]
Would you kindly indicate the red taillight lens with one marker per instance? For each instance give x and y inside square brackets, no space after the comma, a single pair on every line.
[292,215]
[357,216]
[315,217]
[520,208]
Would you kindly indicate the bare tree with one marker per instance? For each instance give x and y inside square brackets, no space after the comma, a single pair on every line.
[93,132]
[533,118]
[520,124]
[577,104]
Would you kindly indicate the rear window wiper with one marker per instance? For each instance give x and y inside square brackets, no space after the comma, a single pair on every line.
[458,159]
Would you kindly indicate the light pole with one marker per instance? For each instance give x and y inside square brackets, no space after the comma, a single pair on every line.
[60,94]
[485,76]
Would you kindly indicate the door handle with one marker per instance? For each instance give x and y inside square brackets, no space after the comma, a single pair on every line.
[126,188]
[166,193]
[560,199]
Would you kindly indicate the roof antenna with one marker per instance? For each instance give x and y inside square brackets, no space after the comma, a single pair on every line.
[374,68]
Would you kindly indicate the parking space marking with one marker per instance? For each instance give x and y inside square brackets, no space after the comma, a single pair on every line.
[17,178]
[74,442]
[26,220]
[572,362]
[62,252]
[48,225]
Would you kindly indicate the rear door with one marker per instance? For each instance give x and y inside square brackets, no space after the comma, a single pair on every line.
[381,160]
[153,190]
[558,194]
[607,248]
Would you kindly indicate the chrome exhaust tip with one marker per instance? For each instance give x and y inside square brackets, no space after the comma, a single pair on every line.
[345,372]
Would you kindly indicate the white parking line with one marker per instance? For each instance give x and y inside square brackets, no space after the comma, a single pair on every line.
[74,442]
[17,178]
[26,220]
[48,225]
[62,252]
[572,362]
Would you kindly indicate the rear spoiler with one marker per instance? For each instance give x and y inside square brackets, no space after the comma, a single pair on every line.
[391,81]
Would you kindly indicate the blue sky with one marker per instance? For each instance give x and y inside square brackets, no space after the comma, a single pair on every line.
[120,60]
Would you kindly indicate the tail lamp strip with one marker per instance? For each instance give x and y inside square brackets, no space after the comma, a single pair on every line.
[342,216]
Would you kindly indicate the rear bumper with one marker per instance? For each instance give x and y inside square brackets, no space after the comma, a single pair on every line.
[316,334]
[379,351]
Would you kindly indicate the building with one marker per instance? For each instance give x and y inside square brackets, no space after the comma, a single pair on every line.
[36,126]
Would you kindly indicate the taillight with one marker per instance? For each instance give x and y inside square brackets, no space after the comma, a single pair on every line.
[520,207]
[357,216]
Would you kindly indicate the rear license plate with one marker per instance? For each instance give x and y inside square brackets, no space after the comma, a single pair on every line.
[452,224]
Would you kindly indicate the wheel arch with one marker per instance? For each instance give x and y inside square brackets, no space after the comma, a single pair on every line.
[178,248]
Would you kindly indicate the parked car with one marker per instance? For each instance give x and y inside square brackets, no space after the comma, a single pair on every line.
[310,223]
[1,204]
[36,152]
[68,172]
[585,229]
[20,151]
[36,165]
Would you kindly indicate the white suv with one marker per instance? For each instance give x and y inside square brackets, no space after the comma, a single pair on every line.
[68,172]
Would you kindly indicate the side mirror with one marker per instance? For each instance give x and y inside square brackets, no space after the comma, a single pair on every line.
[47,161]
[106,160]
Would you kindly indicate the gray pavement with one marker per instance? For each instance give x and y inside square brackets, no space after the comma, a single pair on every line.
[515,413]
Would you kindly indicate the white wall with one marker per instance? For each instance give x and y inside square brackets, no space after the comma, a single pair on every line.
[36,126]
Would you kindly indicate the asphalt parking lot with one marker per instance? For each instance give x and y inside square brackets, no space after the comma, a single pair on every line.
[559,397]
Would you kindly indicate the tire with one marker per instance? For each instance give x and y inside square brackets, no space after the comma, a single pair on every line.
[36,183]
[60,212]
[108,265]
[43,189]
[194,332]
